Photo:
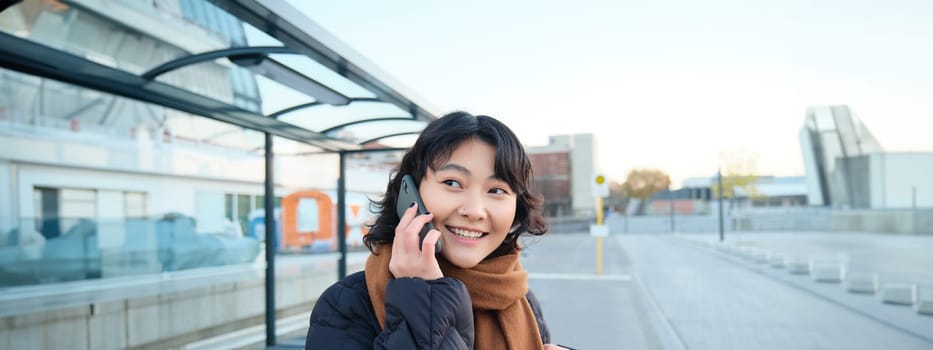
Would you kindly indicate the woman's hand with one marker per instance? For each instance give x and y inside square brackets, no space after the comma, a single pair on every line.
[407,260]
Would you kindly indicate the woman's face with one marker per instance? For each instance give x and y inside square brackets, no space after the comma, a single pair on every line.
[472,208]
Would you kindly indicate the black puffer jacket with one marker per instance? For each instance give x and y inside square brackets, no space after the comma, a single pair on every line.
[419,315]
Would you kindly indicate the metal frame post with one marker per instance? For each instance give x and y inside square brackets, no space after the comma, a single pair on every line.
[270,245]
[342,217]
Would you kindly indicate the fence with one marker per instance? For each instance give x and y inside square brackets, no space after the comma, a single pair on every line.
[768,219]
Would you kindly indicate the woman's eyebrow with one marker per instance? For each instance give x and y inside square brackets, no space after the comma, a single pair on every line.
[464,170]
[455,167]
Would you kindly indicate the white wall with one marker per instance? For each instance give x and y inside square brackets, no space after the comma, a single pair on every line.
[876,171]
[52,146]
[202,199]
[902,172]
[163,193]
[583,168]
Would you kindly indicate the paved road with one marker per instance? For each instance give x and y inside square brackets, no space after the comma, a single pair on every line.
[682,296]
[585,310]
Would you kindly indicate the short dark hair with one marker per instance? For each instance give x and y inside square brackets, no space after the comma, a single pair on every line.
[434,147]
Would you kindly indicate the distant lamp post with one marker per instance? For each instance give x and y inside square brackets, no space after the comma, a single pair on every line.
[670,193]
[719,189]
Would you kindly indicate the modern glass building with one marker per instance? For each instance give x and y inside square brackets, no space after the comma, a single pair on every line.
[846,167]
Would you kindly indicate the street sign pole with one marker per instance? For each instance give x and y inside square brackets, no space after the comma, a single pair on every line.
[599,230]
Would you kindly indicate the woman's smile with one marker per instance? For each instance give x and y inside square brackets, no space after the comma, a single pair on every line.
[465,233]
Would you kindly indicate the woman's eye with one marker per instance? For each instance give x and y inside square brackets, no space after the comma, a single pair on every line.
[498,191]
[453,183]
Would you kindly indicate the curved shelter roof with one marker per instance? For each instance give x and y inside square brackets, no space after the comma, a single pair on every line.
[315,89]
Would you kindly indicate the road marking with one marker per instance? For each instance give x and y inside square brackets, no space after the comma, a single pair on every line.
[578,277]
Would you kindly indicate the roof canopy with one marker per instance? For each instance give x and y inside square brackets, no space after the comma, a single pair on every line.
[315,89]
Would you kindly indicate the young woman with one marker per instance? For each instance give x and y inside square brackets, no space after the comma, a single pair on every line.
[476,183]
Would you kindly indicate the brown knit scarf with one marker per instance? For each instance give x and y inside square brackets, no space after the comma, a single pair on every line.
[502,317]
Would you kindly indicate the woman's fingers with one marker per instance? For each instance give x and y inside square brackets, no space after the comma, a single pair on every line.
[427,247]
[402,239]
[407,259]
[408,229]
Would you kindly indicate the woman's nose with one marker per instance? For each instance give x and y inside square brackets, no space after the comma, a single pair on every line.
[473,209]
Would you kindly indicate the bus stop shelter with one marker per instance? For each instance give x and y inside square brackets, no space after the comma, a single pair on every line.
[288,36]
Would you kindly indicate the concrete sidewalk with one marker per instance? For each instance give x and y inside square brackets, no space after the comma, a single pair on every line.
[713,302]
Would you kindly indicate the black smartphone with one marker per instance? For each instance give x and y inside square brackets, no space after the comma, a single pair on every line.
[408,194]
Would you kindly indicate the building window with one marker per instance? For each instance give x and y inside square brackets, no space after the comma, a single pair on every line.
[134,204]
[60,208]
[228,207]
[242,212]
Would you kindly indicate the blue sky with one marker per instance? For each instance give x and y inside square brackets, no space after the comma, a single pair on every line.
[664,84]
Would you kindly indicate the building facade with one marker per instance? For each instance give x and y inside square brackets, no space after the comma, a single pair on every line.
[564,171]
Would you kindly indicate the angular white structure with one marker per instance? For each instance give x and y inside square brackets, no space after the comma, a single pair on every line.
[846,167]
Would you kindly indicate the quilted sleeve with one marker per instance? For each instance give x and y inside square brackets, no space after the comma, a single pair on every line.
[424,314]
[342,319]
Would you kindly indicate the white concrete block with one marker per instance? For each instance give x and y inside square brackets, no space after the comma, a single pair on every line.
[924,306]
[759,256]
[898,293]
[825,270]
[776,260]
[722,247]
[861,282]
[797,265]
[733,249]
[923,303]
[746,252]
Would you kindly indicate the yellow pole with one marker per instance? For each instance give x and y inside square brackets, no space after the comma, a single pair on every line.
[599,240]
[599,210]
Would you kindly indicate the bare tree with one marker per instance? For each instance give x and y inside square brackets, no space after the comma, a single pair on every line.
[644,183]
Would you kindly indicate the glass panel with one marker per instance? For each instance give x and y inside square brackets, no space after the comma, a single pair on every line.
[259,202]
[135,206]
[323,117]
[366,131]
[77,204]
[243,210]
[121,191]
[323,75]
[208,79]
[94,140]
[228,206]
[209,214]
